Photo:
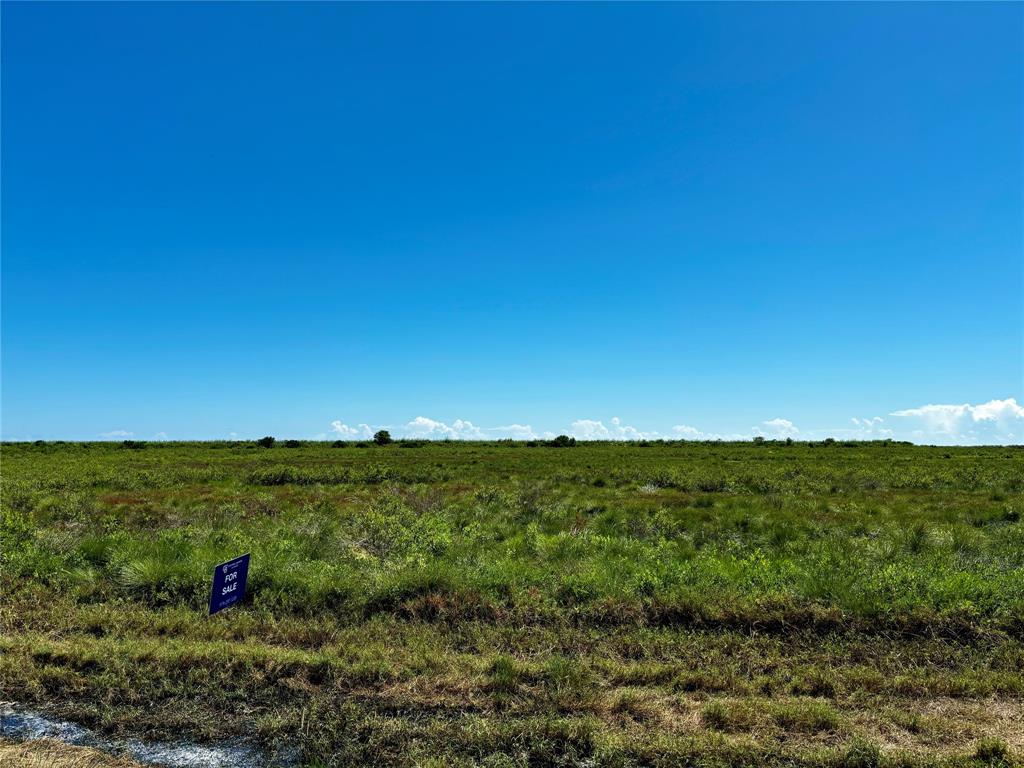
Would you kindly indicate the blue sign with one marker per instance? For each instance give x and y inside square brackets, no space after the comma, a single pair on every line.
[229,583]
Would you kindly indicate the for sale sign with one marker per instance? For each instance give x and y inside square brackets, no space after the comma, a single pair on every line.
[229,583]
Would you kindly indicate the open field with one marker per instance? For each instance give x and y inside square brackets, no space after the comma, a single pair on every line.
[500,604]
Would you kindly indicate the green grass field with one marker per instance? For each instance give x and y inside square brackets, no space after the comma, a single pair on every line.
[500,604]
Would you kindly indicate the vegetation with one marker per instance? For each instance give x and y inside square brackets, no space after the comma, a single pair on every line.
[506,604]
[43,753]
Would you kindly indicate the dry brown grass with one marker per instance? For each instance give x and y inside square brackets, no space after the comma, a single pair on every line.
[46,753]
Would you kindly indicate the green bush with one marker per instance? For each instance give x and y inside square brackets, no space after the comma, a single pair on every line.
[992,751]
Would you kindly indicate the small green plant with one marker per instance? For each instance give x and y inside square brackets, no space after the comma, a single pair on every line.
[862,754]
[569,681]
[806,716]
[992,751]
[814,682]
[504,675]
[715,715]
[917,538]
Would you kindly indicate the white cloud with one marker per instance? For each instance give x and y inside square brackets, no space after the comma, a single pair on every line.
[586,429]
[999,421]
[686,432]
[943,419]
[160,436]
[424,428]
[1003,411]
[345,431]
[115,434]
[776,428]
[589,429]
[865,429]
[866,423]
[514,432]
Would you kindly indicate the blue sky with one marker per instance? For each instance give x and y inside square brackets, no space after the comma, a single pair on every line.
[296,219]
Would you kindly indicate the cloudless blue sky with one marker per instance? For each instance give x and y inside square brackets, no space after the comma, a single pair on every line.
[262,218]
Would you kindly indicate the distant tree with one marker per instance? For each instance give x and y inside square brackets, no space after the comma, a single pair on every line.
[292,444]
[266,442]
[382,437]
[562,441]
[759,439]
[133,445]
[338,444]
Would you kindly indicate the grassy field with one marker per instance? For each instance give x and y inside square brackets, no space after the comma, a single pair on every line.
[500,604]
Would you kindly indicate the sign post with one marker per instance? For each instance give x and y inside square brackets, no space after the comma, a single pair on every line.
[229,583]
